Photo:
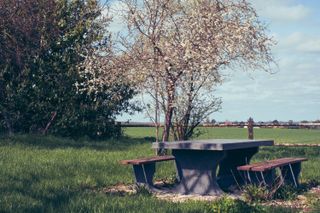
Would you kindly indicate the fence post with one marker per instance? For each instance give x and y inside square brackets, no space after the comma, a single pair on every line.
[250,128]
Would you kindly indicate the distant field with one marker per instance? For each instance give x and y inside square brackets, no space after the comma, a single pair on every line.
[50,174]
[279,135]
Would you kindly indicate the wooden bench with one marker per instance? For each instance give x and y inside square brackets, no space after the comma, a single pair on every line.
[265,171]
[144,168]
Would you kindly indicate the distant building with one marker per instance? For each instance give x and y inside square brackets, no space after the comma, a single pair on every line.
[310,125]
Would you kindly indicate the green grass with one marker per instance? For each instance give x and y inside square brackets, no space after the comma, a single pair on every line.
[49,174]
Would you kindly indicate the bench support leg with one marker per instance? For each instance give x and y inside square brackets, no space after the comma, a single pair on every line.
[228,174]
[290,173]
[263,179]
[266,178]
[144,173]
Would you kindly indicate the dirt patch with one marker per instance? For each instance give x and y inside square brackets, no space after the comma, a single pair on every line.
[315,191]
[301,202]
[120,189]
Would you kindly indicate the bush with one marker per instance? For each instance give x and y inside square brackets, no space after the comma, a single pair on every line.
[286,192]
[254,193]
[43,43]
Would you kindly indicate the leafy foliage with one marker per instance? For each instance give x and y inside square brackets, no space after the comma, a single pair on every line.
[255,193]
[43,43]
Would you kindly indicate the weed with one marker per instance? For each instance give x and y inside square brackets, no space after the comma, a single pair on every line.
[229,205]
[287,192]
[254,193]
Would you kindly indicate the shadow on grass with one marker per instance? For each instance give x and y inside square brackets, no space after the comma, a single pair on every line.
[52,142]
[20,201]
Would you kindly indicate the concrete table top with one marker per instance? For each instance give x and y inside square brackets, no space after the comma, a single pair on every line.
[213,144]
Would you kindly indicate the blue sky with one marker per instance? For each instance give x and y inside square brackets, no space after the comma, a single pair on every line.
[293,92]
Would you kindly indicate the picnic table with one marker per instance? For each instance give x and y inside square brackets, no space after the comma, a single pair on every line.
[197,163]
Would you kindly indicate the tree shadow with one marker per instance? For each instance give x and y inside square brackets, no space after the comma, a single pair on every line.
[52,142]
[21,190]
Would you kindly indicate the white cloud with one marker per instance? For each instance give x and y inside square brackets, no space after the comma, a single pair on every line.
[312,45]
[283,10]
[293,39]
[292,93]
[287,13]
[300,42]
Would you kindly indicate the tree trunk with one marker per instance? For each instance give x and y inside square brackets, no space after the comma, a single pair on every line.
[169,111]
[53,115]
[8,124]
[4,113]
[185,123]
[168,115]
[168,123]
[183,129]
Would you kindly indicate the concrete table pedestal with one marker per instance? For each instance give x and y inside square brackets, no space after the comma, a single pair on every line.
[197,163]
[197,171]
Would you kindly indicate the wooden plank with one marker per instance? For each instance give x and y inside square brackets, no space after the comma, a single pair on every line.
[148,160]
[249,166]
[267,165]
[277,163]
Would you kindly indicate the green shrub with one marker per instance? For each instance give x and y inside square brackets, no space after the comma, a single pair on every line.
[286,192]
[43,43]
[229,205]
[253,193]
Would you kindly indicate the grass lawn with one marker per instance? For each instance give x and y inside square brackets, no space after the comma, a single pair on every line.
[49,174]
[307,136]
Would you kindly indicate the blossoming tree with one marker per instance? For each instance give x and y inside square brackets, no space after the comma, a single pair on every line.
[175,50]
[178,48]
